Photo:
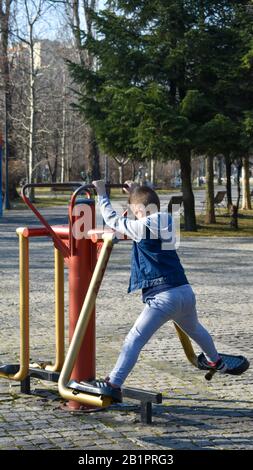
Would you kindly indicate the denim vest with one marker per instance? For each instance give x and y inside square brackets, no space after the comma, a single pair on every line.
[152,266]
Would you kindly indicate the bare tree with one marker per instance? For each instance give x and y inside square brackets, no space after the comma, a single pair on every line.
[74,10]
[246,199]
[122,162]
[210,212]
[33,12]
[5,10]
[5,14]
[63,137]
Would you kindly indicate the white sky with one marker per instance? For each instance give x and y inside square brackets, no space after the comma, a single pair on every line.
[51,25]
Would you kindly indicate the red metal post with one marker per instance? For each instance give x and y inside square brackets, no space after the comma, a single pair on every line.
[81,264]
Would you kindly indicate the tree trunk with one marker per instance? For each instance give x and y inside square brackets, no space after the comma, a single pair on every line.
[219,170]
[235,208]
[234,217]
[210,211]
[69,159]
[92,156]
[133,170]
[106,168]
[152,172]
[228,183]
[63,137]
[10,151]
[121,173]
[54,171]
[188,196]
[86,60]
[239,171]
[246,200]
[32,113]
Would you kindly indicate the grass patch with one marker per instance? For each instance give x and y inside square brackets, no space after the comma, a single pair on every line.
[118,193]
[19,204]
[222,227]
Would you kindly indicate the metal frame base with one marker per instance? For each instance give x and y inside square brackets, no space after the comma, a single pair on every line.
[25,385]
[146,398]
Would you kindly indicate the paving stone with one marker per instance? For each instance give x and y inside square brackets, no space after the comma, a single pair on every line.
[194,415]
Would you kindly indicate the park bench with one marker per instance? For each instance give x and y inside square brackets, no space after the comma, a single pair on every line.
[219,200]
[175,200]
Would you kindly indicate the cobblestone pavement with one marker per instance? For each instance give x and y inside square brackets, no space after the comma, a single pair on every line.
[195,414]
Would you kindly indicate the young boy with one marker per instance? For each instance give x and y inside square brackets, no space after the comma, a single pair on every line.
[156,269]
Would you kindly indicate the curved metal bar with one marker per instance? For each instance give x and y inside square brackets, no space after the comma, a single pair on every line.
[22,373]
[80,188]
[59,312]
[69,184]
[84,188]
[88,187]
[80,330]
[57,240]
[187,345]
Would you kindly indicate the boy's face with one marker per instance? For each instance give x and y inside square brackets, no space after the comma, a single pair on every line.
[139,210]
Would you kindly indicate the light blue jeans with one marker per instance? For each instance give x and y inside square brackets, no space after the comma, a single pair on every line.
[177,304]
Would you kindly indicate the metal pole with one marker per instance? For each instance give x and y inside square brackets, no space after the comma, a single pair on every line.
[6,199]
[81,264]
[59,312]
[106,161]
[81,335]
[1,181]
[24,302]
[23,371]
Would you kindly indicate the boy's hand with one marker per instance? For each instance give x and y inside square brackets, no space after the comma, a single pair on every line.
[131,185]
[100,187]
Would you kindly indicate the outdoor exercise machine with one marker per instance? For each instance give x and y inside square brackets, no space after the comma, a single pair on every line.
[86,258]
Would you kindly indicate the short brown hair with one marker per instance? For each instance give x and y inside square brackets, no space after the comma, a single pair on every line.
[144,195]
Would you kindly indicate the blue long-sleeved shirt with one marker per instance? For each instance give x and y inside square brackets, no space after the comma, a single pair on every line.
[159,224]
[155,265]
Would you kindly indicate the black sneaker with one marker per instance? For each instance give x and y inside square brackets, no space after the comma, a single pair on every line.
[106,389]
[220,366]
